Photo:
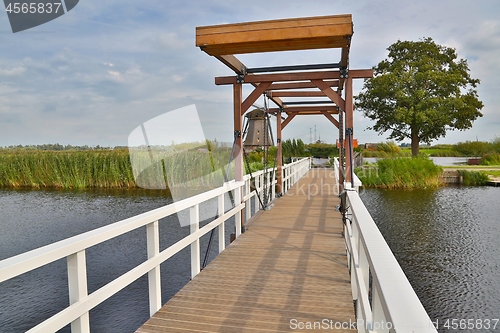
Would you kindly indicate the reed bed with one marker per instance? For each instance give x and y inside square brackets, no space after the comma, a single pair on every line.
[110,169]
[66,169]
[401,173]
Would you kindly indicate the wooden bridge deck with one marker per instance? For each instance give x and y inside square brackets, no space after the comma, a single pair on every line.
[289,268]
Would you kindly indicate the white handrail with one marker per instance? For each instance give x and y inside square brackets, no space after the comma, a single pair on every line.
[74,248]
[394,305]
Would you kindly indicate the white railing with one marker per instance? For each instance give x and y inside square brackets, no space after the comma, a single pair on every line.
[385,300]
[74,248]
[357,181]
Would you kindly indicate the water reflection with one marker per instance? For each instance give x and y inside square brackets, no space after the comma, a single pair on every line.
[448,243]
[30,219]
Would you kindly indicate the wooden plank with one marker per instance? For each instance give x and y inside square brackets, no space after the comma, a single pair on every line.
[361,73]
[330,108]
[276,35]
[298,76]
[298,94]
[300,85]
[289,264]
[233,63]
[259,26]
[277,45]
[310,113]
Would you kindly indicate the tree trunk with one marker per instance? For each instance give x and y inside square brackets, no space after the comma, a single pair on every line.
[415,144]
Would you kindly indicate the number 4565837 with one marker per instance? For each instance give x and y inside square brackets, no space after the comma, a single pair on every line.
[33,8]
[470,324]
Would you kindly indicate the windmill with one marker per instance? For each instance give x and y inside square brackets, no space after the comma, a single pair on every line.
[258,133]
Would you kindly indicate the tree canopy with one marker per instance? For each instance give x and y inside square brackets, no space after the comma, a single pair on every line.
[421,91]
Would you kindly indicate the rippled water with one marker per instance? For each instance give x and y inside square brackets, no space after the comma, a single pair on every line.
[30,219]
[448,243]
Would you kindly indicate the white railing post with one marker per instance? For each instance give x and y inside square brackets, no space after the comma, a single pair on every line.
[221,228]
[377,308]
[248,202]
[257,185]
[273,186]
[194,221]
[285,180]
[237,217]
[77,285]
[154,279]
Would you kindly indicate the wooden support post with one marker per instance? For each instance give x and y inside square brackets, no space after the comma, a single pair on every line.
[238,147]
[349,124]
[279,153]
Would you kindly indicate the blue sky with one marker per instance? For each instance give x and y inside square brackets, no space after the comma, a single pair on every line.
[96,73]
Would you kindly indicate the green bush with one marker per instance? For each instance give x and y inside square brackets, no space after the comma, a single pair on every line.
[389,147]
[496,145]
[473,178]
[490,159]
[474,148]
[401,173]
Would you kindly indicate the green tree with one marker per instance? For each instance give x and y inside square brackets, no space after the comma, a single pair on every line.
[419,92]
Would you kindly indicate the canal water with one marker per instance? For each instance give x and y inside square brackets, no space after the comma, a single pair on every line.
[31,219]
[448,243]
[446,240]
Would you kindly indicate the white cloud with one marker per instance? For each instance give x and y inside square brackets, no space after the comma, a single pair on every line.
[114,64]
[16,71]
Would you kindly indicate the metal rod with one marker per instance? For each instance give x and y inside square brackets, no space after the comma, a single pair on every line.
[293,68]
[349,133]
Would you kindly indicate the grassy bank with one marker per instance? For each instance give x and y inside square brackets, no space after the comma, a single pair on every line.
[474,178]
[106,169]
[401,173]
[66,169]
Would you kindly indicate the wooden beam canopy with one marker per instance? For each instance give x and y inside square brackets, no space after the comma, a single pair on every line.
[297,81]
[276,35]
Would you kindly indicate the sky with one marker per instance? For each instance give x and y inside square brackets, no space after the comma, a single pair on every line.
[93,75]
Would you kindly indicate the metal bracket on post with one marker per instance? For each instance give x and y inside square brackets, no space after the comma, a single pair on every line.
[344,73]
[237,134]
[240,78]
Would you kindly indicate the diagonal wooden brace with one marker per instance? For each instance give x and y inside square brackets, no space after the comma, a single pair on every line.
[330,93]
[259,90]
[330,117]
[288,120]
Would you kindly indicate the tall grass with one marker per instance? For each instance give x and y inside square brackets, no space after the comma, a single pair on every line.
[473,178]
[490,159]
[401,173]
[110,169]
[66,169]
